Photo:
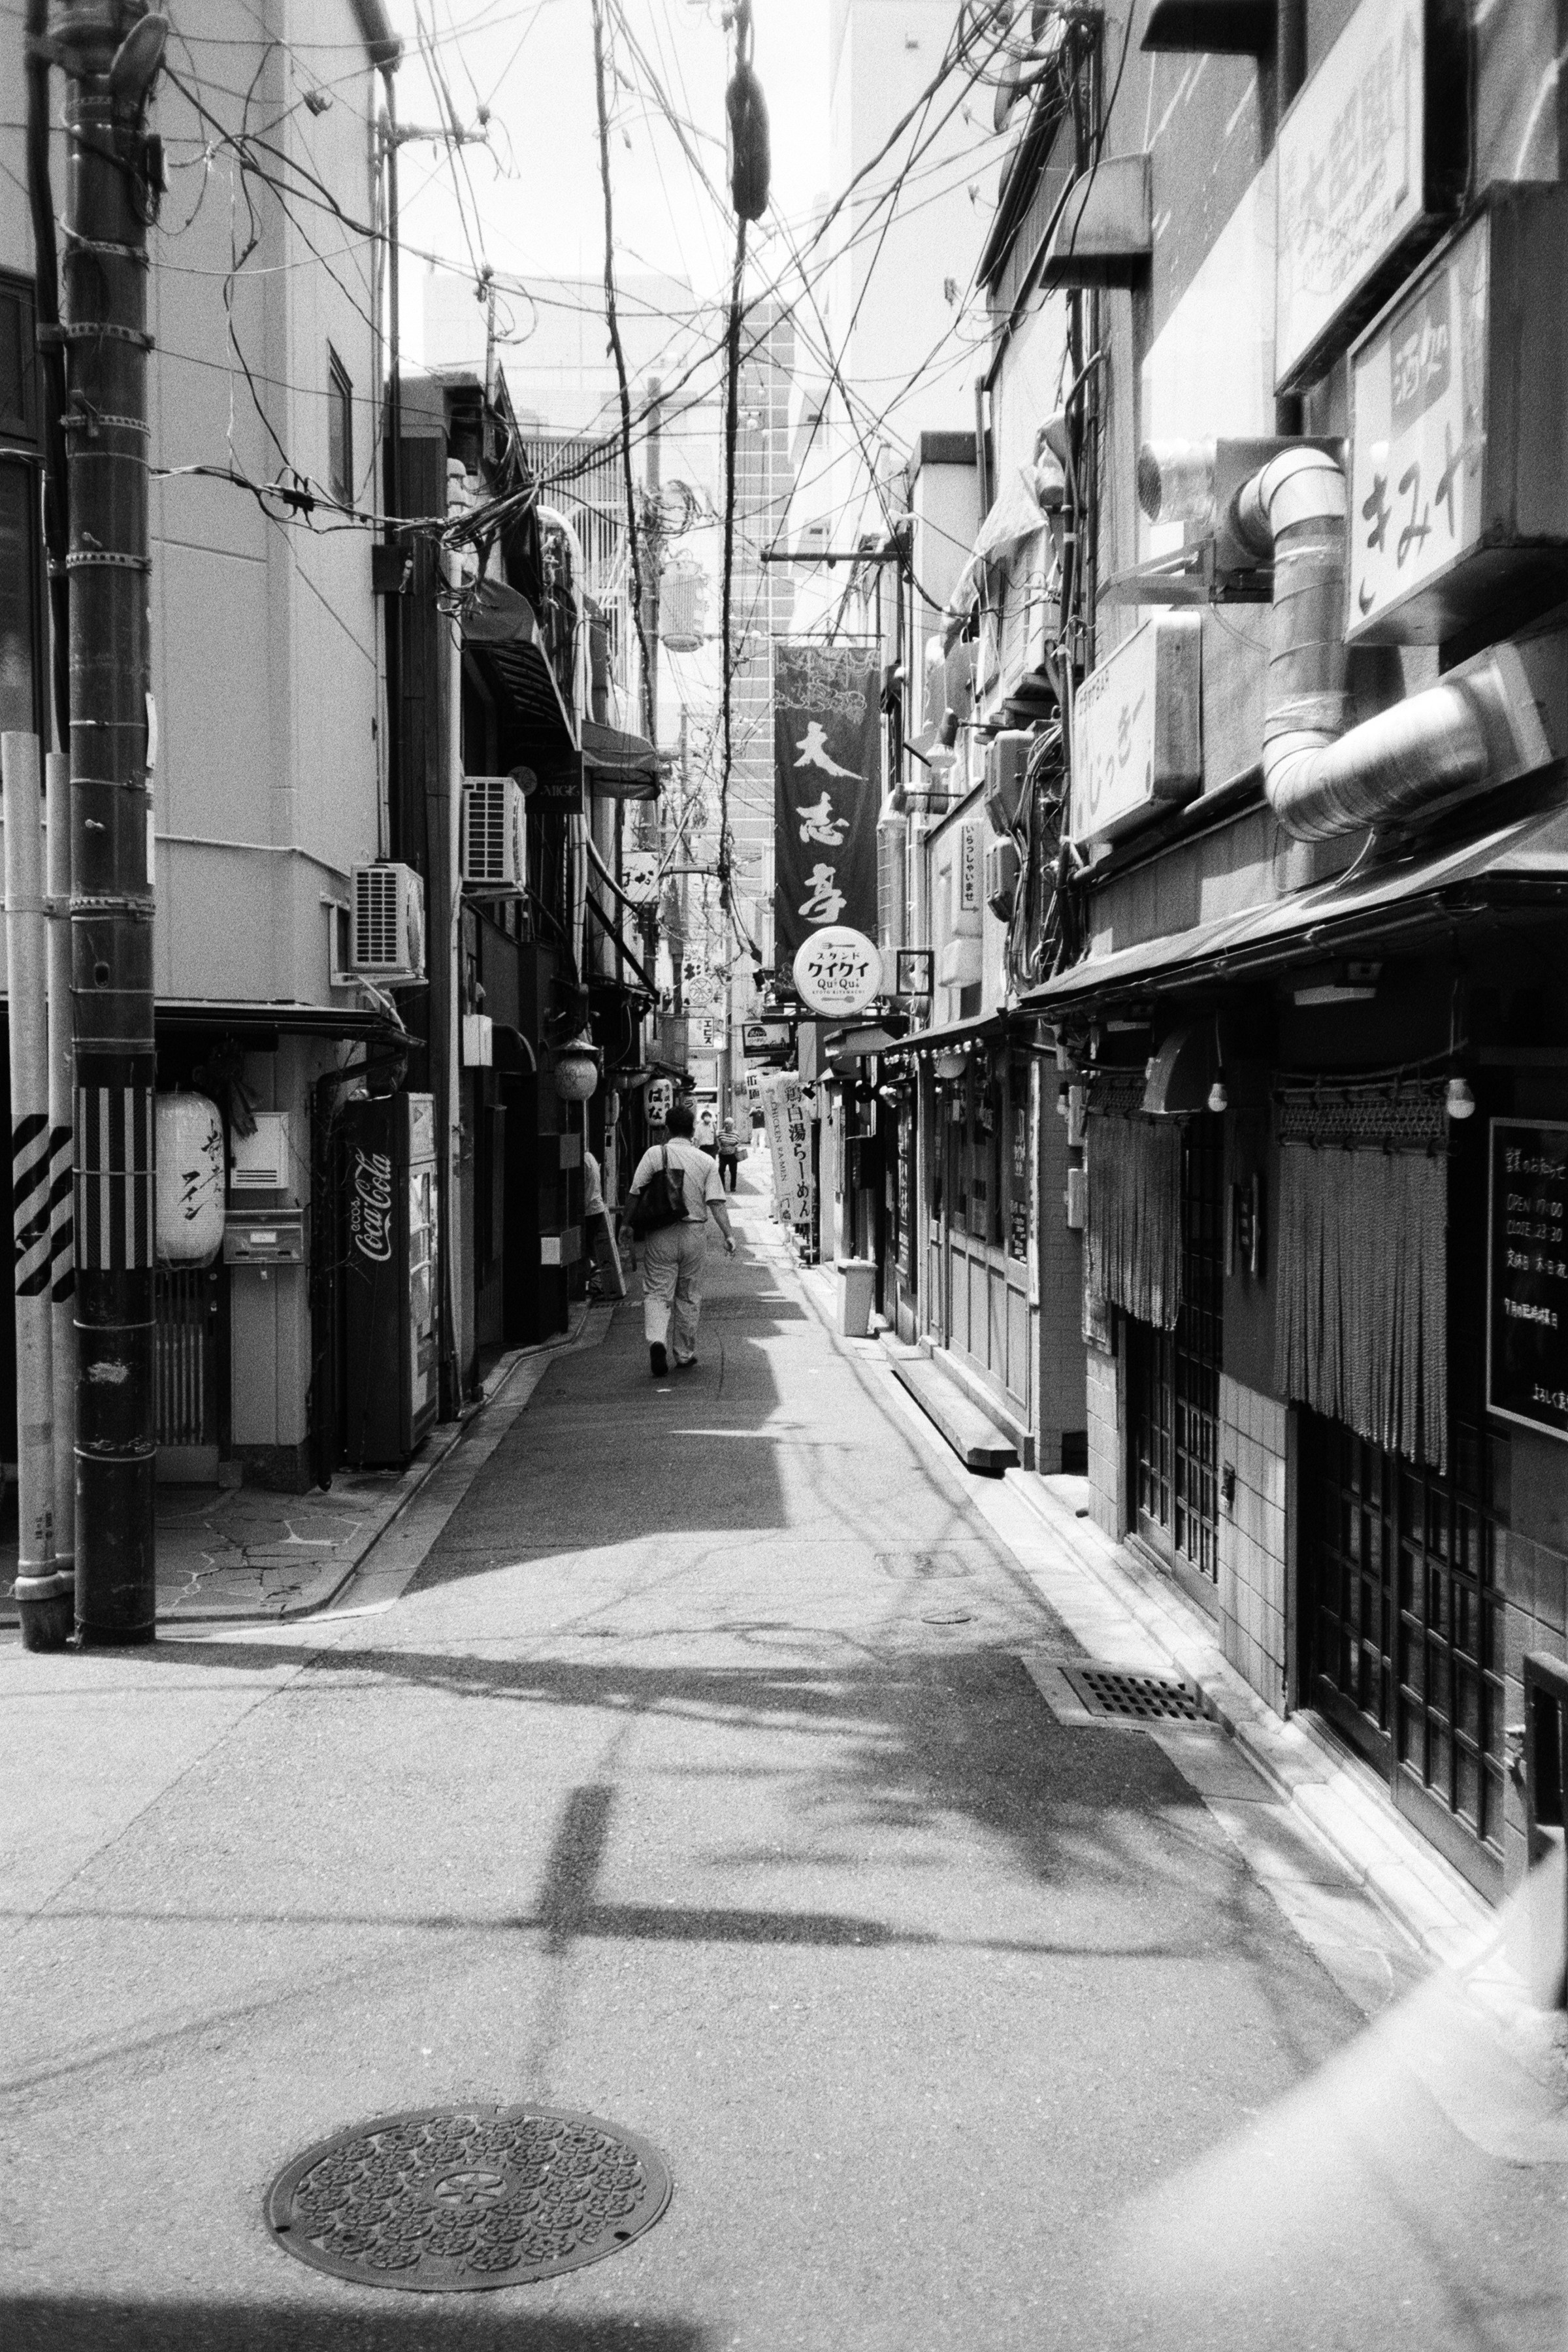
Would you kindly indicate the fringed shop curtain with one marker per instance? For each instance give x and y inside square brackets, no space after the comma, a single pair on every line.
[1361,1331]
[1133,1254]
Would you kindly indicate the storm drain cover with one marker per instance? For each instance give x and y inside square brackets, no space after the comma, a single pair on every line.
[448,2199]
[1131,1696]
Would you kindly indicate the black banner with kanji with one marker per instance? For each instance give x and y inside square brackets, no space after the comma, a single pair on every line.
[826,791]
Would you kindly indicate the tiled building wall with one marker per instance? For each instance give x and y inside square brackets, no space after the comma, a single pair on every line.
[1107,1453]
[1254,1444]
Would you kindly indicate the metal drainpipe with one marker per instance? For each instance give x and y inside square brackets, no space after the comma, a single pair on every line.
[1481,725]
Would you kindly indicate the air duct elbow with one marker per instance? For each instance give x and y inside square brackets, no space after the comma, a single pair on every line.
[1482,724]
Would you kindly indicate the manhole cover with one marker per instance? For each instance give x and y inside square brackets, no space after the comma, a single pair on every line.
[447,2200]
[1136,1697]
[944,1617]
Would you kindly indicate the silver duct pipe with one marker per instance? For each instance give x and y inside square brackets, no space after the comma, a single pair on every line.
[1482,724]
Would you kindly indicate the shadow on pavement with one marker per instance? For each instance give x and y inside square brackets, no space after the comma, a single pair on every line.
[405,2323]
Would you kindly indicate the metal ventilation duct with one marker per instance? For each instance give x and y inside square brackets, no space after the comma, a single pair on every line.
[1481,725]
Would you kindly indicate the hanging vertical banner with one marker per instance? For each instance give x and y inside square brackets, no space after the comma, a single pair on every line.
[826,793]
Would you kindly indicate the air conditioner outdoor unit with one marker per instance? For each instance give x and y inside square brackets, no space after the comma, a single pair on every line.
[1000,876]
[495,842]
[387,925]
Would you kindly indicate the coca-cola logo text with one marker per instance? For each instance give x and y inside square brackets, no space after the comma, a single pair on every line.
[370,1207]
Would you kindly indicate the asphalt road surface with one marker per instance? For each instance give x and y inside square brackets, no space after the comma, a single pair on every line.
[695,1783]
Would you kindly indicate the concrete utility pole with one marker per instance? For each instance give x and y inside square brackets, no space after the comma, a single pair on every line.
[111,51]
[653,541]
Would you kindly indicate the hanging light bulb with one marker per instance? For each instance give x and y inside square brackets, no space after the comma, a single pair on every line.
[1460,1103]
[1218,1098]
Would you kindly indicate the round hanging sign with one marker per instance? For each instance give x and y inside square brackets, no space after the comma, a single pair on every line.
[838,970]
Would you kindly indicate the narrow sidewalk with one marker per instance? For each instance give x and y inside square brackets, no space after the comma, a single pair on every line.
[1392,1908]
[247,1555]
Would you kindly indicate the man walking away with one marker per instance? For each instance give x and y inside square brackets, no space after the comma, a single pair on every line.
[730,1155]
[672,1254]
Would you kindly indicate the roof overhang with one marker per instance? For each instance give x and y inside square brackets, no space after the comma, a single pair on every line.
[501,632]
[1519,868]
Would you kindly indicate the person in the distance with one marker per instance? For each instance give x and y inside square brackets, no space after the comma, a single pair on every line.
[730,1155]
[673,1255]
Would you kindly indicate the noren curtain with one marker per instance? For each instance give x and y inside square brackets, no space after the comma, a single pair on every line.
[1361,1331]
[1133,1236]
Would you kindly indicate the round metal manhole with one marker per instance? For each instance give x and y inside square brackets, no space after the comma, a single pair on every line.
[448,2199]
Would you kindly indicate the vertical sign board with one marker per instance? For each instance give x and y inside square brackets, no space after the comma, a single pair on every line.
[1353,179]
[826,793]
[794,1127]
[1137,736]
[1419,440]
[1527,1274]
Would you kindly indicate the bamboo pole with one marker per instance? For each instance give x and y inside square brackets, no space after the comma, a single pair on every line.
[42,1591]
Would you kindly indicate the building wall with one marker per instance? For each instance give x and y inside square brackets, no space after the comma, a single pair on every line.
[266,664]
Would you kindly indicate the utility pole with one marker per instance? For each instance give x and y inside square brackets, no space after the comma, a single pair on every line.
[111,52]
[653,482]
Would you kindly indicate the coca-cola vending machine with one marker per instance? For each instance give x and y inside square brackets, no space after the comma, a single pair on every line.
[392,1385]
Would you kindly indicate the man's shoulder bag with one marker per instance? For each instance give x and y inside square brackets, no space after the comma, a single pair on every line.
[662,1202]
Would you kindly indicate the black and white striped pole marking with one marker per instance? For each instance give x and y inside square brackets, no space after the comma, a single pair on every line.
[42,1589]
[62,1221]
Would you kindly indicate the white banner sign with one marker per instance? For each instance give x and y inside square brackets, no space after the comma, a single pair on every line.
[1419,436]
[1352,172]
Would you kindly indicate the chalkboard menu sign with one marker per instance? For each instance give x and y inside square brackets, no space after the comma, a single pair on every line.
[1527,1285]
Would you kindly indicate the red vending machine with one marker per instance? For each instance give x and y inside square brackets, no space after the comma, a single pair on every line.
[389,1310]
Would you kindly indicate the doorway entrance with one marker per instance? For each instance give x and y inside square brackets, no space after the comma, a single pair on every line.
[1174,1383]
[1402,1628]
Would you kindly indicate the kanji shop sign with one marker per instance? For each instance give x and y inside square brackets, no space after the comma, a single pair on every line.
[1137,736]
[826,757]
[1526,1285]
[1458,497]
[839,972]
[1415,464]
[1352,178]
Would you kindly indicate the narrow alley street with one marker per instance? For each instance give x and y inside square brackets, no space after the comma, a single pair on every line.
[695,1782]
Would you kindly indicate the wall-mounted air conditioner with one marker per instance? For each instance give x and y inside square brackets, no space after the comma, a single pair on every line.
[495,841]
[387,928]
[1000,876]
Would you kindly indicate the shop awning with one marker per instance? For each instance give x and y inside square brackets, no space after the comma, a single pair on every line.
[846,1049]
[245,1016]
[1522,867]
[618,765]
[952,1032]
[501,632]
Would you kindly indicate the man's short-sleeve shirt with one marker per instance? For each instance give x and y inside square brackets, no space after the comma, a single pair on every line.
[699,1175]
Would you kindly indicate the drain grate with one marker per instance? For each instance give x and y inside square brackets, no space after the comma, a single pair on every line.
[1130,1696]
[448,2199]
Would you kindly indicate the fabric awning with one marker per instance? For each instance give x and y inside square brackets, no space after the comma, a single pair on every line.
[501,632]
[618,765]
[1519,865]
